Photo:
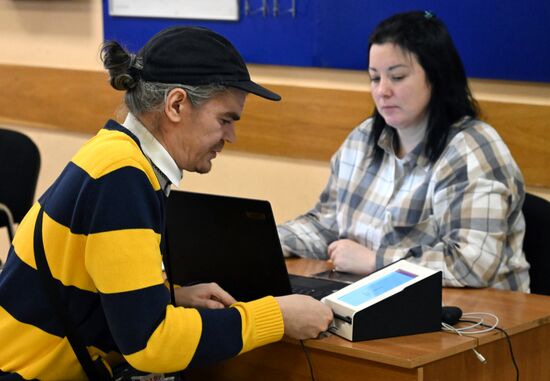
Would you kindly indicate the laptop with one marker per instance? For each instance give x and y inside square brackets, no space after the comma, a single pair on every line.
[234,242]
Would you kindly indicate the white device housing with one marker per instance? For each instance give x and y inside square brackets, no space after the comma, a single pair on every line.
[379,293]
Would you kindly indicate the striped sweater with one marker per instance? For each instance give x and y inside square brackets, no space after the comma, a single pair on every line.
[103,219]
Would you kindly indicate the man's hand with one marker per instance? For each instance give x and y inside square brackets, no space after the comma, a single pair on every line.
[349,256]
[205,295]
[303,316]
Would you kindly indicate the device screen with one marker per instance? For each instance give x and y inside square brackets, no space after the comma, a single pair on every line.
[377,287]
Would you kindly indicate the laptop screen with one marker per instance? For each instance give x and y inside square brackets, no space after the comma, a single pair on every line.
[228,240]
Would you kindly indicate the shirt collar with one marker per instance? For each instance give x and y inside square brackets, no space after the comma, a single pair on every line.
[416,156]
[164,166]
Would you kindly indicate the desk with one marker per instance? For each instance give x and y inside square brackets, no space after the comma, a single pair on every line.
[431,356]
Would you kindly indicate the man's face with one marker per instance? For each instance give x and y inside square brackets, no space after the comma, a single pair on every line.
[203,130]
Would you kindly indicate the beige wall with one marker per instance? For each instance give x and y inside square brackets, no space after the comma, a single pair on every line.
[52,33]
[292,186]
[67,34]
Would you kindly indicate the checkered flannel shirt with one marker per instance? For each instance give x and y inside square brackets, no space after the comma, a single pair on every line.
[461,214]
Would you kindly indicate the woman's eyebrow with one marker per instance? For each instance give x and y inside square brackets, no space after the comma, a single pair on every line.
[390,68]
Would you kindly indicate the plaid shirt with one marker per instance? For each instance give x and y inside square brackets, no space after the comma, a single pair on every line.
[461,215]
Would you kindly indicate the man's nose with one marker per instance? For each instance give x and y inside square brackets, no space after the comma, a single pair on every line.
[229,135]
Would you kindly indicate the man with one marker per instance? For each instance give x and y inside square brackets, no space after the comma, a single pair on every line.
[103,220]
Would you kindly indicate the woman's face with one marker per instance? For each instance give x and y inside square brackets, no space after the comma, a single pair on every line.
[399,85]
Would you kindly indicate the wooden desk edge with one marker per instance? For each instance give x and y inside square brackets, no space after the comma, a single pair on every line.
[497,335]
[465,344]
[303,266]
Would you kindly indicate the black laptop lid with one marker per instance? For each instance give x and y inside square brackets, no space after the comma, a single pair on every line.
[228,240]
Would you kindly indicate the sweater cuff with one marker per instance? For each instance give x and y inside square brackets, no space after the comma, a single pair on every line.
[262,322]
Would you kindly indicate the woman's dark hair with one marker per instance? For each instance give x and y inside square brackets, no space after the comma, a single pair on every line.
[425,36]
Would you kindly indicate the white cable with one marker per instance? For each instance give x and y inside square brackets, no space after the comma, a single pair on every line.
[479,315]
[471,326]
[479,356]
[471,329]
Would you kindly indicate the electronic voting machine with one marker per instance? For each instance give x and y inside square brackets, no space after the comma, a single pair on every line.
[400,299]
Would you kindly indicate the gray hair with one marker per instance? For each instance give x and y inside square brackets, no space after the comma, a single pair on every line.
[151,96]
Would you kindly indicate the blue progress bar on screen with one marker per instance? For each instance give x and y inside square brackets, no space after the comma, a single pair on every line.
[376,288]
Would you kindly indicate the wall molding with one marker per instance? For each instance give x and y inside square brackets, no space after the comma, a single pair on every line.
[310,122]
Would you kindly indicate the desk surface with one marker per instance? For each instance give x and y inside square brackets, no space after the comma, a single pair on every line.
[430,356]
[517,312]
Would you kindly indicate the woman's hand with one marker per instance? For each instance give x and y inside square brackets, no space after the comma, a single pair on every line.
[349,256]
[205,295]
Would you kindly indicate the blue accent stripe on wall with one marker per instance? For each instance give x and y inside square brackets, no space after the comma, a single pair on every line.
[507,39]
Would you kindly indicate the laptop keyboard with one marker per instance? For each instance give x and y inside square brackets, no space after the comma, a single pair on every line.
[316,288]
[316,294]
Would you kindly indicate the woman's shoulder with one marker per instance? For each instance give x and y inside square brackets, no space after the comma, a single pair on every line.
[478,144]
[470,135]
[474,131]
[361,132]
[365,127]
[357,144]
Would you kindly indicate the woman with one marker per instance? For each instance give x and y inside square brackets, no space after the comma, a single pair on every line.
[423,178]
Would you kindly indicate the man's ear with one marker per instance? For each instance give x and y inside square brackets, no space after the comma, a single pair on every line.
[175,104]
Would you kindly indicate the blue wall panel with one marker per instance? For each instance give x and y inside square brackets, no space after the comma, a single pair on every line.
[505,39]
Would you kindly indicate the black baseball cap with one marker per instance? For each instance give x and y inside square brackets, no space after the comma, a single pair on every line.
[197,56]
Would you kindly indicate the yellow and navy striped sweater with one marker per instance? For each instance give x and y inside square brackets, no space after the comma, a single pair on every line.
[102,230]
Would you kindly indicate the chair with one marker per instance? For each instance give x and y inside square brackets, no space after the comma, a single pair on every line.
[536,243]
[19,168]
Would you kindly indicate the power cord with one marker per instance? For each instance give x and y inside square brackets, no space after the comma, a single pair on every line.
[447,327]
[474,329]
[306,352]
[516,367]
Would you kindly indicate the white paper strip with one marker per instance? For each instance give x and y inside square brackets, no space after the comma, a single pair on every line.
[181,9]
